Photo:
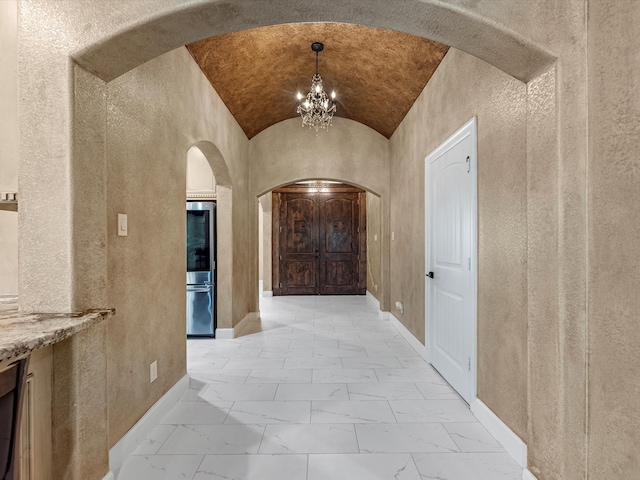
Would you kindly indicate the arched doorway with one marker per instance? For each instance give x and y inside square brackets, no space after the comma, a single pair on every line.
[137,35]
[349,153]
[210,180]
[319,239]
[375,243]
[476,32]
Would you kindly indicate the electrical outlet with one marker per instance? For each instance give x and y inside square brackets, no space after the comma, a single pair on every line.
[393,235]
[153,371]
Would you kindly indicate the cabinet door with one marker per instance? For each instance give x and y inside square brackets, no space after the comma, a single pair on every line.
[36,461]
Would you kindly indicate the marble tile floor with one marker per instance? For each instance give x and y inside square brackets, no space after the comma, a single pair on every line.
[320,389]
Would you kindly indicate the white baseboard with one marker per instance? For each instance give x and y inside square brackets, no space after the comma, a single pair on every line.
[150,420]
[374,301]
[224,333]
[267,293]
[229,333]
[513,445]
[408,336]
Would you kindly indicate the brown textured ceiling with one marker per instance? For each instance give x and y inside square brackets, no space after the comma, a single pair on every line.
[377,74]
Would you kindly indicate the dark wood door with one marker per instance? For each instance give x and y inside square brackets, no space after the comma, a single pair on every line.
[299,258]
[318,244]
[339,244]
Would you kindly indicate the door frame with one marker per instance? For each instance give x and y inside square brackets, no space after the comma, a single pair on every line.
[469,129]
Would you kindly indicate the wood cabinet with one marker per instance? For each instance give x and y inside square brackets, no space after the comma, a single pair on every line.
[319,240]
[36,461]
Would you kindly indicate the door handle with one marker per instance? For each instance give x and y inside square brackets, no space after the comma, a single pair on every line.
[198,289]
[430,274]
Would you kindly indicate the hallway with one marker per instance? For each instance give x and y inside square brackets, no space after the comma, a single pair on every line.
[320,389]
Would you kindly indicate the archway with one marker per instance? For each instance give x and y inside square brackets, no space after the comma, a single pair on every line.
[349,152]
[150,34]
[139,35]
[116,46]
[213,182]
[320,239]
[372,241]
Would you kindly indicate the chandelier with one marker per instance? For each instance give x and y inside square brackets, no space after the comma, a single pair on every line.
[317,109]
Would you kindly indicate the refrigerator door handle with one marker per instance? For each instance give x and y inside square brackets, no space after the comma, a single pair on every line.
[198,289]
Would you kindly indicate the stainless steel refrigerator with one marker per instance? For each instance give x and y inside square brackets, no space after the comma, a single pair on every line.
[201,269]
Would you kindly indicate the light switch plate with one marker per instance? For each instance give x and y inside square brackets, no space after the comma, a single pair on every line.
[122,225]
[153,371]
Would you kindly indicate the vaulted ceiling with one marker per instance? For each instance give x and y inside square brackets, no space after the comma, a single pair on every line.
[377,74]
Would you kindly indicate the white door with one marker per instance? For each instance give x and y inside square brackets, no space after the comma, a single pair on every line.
[450,238]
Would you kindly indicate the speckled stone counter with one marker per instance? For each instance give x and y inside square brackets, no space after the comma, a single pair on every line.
[22,333]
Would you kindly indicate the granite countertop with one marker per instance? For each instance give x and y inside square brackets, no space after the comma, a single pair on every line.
[22,333]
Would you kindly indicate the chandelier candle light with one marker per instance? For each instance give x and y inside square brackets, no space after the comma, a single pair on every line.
[317,110]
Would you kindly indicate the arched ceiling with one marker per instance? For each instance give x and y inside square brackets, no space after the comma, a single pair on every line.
[377,74]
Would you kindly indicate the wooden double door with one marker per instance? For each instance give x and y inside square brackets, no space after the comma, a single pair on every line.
[319,242]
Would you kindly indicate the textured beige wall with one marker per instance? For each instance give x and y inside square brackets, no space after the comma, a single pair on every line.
[557,226]
[79,410]
[89,184]
[9,145]
[546,407]
[462,87]
[614,230]
[267,257]
[8,252]
[155,113]
[260,243]
[374,245]
[225,258]
[349,151]
[9,96]
[265,246]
